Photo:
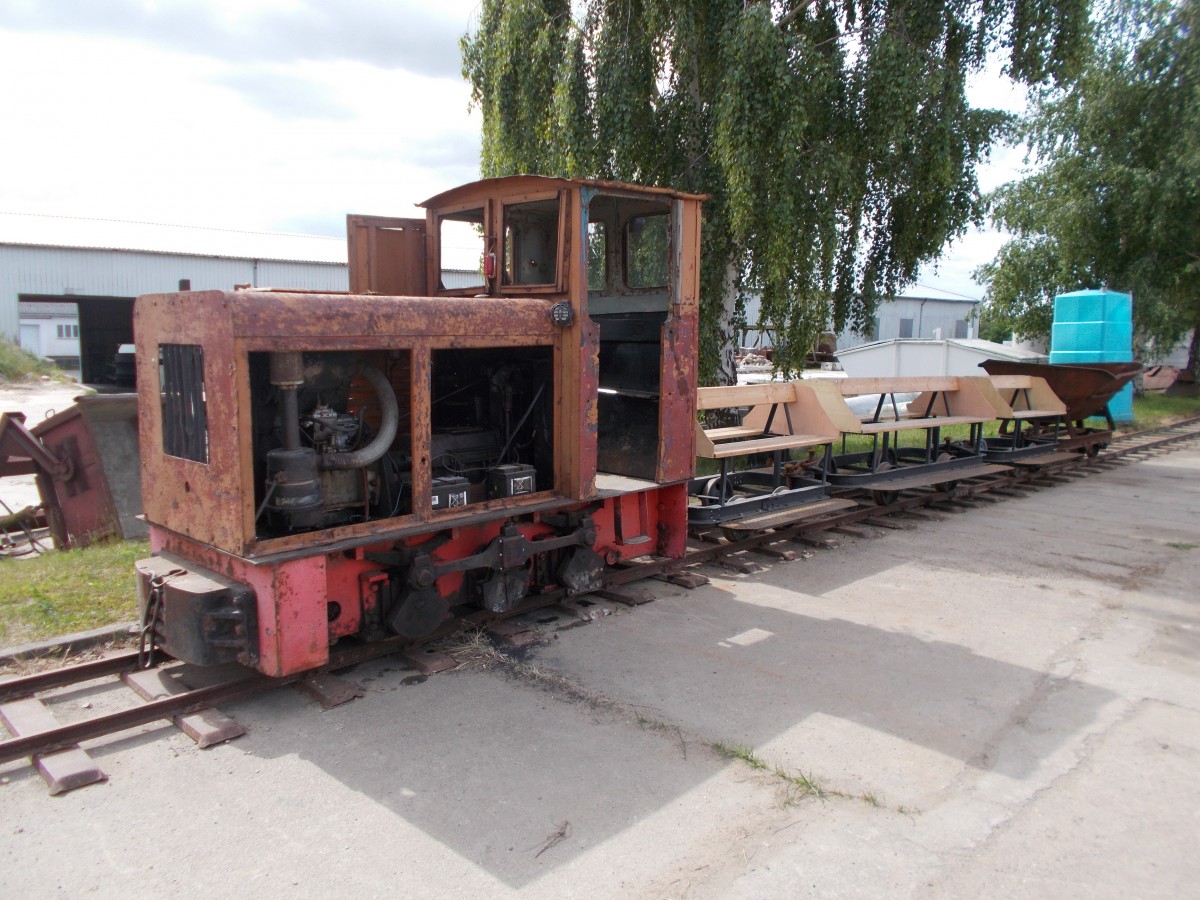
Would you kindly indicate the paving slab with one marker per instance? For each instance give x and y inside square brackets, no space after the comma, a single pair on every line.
[1005,703]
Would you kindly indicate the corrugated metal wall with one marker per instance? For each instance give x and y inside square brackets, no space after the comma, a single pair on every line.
[926,316]
[56,272]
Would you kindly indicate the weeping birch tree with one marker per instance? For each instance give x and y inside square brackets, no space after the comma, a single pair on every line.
[834,136]
[1116,199]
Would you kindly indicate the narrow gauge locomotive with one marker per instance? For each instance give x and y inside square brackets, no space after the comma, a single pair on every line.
[502,405]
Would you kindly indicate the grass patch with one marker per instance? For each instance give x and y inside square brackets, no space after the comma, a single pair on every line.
[740,752]
[800,786]
[797,785]
[17,364]
[1182,545]
[61,592]
[1155,410]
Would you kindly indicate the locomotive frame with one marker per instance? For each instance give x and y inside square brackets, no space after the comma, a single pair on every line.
[321,466]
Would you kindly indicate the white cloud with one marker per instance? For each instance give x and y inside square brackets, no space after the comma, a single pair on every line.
[407,34]
[134,127]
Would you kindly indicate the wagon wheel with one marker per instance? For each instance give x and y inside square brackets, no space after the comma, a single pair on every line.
[883,497]
[947,486]
[711,495]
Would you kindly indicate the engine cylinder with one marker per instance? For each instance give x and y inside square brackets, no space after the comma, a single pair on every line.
[295,487]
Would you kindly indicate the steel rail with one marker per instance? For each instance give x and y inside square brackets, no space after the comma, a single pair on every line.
[69,735]
[28,685]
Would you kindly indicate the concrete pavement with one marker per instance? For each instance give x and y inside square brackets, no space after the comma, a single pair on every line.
[1000,704]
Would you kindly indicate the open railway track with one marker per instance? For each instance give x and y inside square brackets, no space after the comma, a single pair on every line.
[53,746]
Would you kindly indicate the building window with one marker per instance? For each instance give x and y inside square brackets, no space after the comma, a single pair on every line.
[960,329]
[906,328]
[65,332]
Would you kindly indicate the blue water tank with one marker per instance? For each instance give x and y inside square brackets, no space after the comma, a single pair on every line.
[1095,326]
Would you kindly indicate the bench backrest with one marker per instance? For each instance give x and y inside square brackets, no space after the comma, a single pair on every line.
[739,395]
[790,407]
[955,396]
[914,384]
[1022,392]
[967,397]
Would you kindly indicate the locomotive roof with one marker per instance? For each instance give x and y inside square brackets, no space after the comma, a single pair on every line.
[512,183]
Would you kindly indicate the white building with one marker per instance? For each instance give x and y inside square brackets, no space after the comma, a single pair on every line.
[902,357]
[51,331]
[83,275]
[933,318]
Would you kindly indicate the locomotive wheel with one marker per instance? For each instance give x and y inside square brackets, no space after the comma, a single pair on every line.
[884,498]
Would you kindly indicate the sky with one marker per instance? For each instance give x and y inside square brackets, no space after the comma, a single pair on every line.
[271,115]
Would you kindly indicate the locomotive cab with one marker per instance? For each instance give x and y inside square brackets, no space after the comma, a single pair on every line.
[500,406]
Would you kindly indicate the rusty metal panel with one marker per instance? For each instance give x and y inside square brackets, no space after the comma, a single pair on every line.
[202,500]
[386,255]
[508,184]
[680,348]
[677,409]
[366,321]
[102,495]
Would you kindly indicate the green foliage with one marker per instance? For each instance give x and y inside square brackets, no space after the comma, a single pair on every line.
[1155,410]
[17,363]
[61,592]
[1117,200]
[834,137]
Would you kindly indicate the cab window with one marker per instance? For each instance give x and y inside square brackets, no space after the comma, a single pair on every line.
[646,249]
[460,239]
[531,242]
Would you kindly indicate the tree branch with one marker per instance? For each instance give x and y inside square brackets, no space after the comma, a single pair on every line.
[791,15]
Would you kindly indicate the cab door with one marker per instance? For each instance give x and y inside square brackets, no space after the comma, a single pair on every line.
[386,255]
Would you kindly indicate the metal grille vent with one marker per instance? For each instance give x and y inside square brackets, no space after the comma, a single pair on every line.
[185,420]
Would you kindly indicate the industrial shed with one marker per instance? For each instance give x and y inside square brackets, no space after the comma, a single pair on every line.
[906,358]
[934,318]
[96,267]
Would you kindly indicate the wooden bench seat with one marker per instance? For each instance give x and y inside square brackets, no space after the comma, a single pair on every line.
[767,445]
[781,416]
[1036,413]
[1022,397]
[906,423]
[731,432]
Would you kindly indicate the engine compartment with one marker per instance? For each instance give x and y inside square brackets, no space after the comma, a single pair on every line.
[333,432]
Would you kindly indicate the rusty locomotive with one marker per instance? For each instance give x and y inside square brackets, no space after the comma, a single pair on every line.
[502,405]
